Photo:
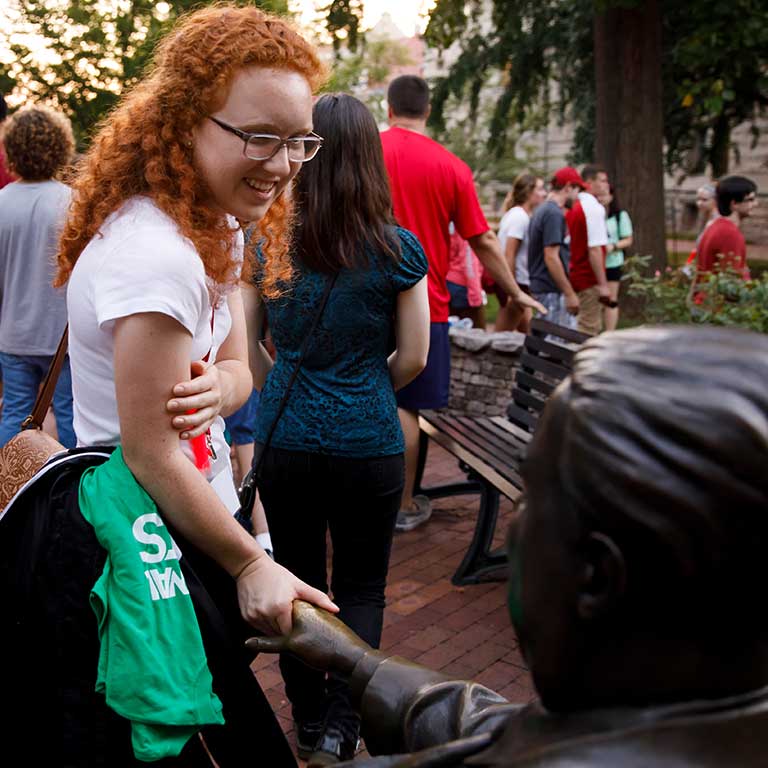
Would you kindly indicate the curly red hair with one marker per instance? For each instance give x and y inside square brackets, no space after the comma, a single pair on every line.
[141,147]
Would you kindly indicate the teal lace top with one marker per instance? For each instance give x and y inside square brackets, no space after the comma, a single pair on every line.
[342,402]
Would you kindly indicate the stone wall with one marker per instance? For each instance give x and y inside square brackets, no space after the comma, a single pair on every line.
[483,369]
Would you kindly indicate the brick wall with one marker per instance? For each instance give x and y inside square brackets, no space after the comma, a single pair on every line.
[482,371]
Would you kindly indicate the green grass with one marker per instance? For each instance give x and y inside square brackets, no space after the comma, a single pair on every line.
[491,309]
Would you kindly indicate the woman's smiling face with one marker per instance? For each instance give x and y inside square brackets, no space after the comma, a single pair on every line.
[260,100]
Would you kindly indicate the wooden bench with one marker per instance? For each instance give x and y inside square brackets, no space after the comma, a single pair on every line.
[490,450]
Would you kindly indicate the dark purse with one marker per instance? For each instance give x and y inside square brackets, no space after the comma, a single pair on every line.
[247,492]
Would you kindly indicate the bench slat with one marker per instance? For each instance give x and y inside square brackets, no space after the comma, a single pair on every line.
[509,450]
[503,423]
[523,380]
[546,367]
[528,400]
[478,444]
[515,437]
[521,418]
[538,345]
[452,446]
[541,327]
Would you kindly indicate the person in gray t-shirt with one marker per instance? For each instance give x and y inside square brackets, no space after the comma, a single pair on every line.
[549,251]
[33,314]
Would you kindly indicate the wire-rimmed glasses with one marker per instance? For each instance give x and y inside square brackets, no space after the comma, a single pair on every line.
[263,146]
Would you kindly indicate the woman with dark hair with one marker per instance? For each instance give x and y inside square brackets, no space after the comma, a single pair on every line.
[335,459]
[619,227]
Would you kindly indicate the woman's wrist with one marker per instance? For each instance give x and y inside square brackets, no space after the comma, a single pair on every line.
[236,383]
[252,564]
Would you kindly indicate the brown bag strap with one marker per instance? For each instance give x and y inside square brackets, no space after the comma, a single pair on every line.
[43,403]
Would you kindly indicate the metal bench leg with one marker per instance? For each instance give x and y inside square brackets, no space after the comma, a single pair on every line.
[480,563]
[440,491]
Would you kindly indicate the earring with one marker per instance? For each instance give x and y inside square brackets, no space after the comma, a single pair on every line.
[188,143]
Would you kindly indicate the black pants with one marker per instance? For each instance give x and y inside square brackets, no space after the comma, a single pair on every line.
[357,500]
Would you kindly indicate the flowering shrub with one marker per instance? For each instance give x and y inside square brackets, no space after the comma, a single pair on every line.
[722,298]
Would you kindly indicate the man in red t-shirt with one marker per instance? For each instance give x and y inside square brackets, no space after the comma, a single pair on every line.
[431,188]
[722,244]
[589,236]
[6,177]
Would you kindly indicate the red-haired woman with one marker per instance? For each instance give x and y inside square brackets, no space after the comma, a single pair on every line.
[151,253]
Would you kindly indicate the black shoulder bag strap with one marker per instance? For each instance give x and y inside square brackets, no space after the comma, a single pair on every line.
[247,491]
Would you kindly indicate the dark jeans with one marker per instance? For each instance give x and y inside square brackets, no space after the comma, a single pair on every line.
[357,500]
[22,376]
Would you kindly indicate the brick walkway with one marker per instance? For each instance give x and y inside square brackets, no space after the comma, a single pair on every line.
[462,631]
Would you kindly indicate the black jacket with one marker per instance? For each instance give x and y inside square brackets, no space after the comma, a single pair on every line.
[49,647]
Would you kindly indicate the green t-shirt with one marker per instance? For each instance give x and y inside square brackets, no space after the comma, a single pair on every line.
[152,665]
[618,228]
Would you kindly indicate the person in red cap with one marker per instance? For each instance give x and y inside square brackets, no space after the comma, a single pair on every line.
[589,236]
[549,251]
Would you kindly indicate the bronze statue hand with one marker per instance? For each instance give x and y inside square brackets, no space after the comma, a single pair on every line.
[318,638]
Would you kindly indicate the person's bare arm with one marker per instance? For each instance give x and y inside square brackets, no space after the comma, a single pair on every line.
[258,358]
[510,252]
[151,354]
[214,389]
[597,262]
[412,335]
[560,279]
[624,243]
[488,250]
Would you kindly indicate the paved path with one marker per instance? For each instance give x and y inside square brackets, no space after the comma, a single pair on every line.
[462,631]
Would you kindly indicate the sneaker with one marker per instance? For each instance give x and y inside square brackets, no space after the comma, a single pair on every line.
[420,512]
[307,736]
[332,748]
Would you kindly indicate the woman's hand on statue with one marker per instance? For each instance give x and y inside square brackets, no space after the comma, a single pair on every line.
[266,591]
[318,638]
[202,394]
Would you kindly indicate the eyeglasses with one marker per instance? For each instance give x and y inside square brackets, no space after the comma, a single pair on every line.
[264,146]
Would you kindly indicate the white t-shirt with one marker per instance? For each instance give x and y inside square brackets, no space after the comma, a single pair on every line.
[594,213]
[515,223]
[140,262]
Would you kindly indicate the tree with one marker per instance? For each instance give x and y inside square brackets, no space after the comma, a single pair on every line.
[364,73]
[93,51]
[342,21]
[627,61]
[714,60]
[715,77]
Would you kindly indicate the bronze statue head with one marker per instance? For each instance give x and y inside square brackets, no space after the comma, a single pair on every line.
[639,560]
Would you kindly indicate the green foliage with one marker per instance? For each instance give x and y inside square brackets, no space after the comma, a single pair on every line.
[529,41]
[94,51]
[716,77]
[342,20]
[364,72]
[723,299]
[369,66]
[468,139]
[715,68]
